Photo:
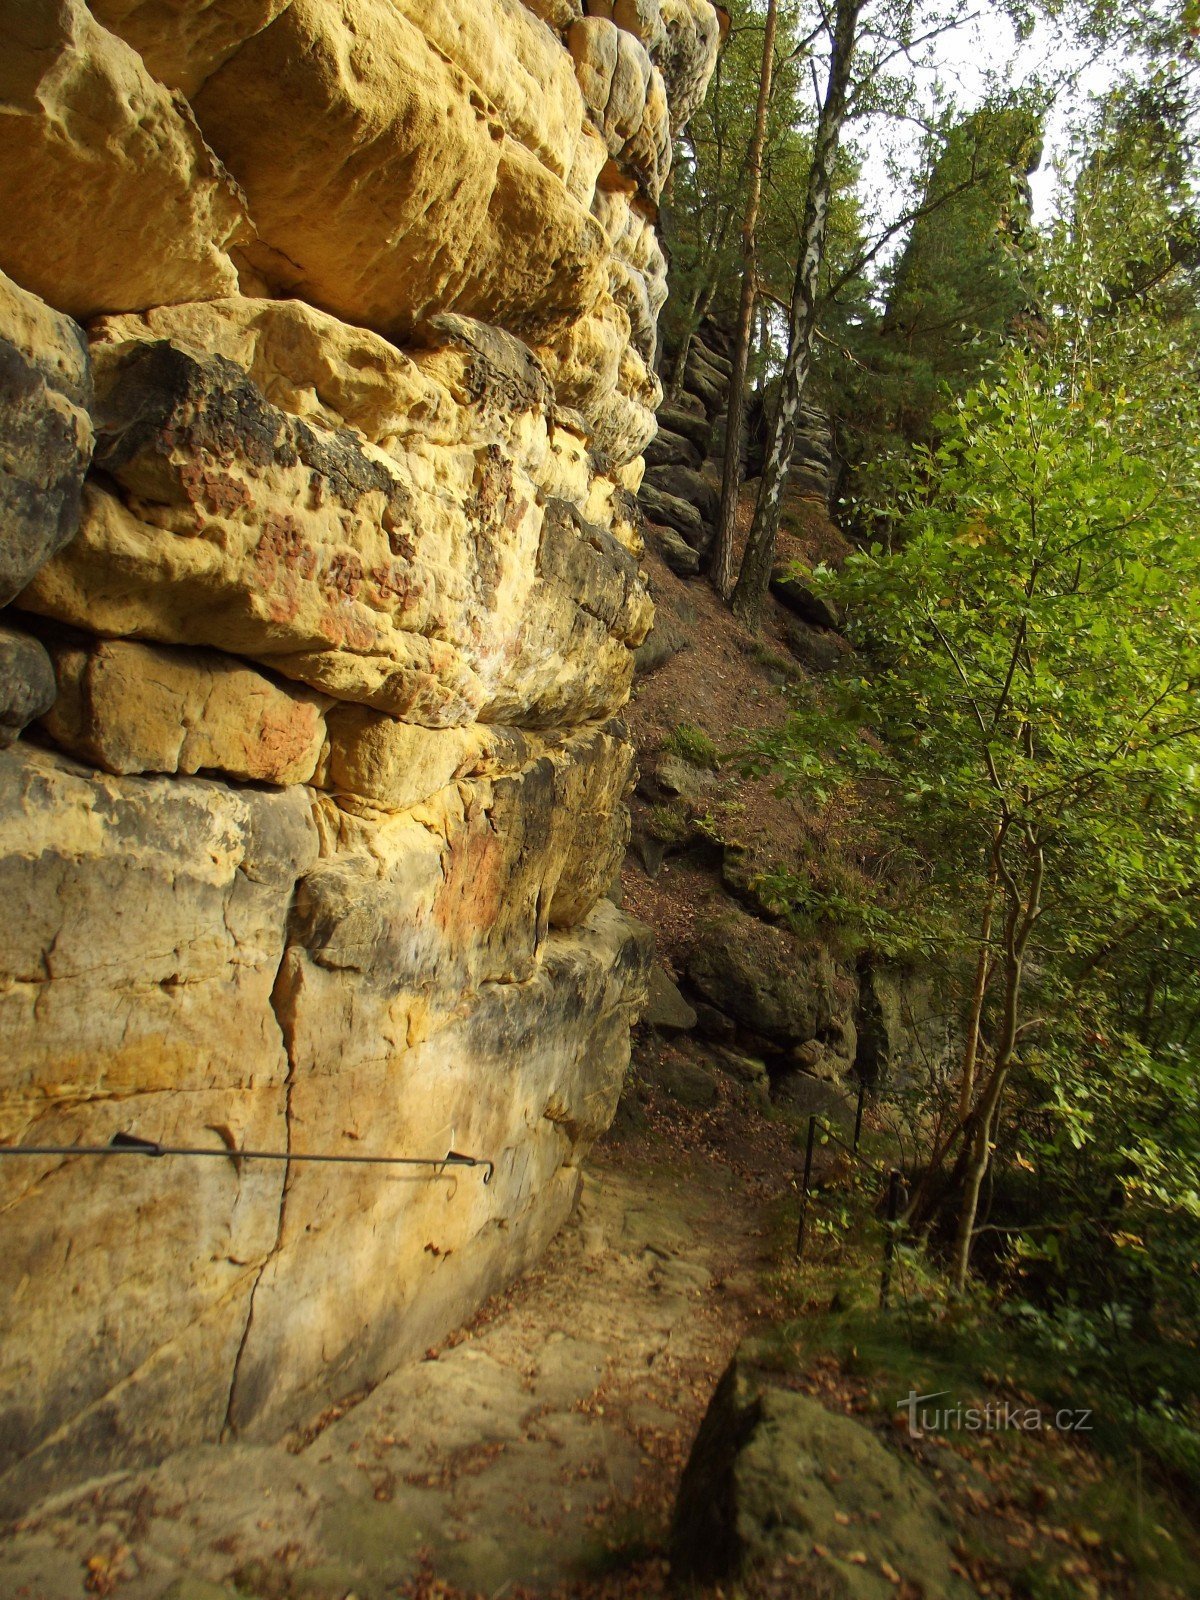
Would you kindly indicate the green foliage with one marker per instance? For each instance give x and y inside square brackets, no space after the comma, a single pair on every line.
[706,200]
[694,746]
[957,290]
[1022,727]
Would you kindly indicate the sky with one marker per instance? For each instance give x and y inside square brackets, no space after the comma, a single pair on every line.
[966,59]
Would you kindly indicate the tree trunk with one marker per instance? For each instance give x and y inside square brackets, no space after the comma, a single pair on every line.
[966,1088]
[721,560]
[1018,927]
[802,321]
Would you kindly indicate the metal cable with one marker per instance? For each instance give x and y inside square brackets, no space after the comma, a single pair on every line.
[128,1144]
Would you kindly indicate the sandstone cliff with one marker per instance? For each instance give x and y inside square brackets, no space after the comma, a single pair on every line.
[327,362]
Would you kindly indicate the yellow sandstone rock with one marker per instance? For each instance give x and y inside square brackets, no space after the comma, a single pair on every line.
[385,183]
[433,584]
[136,708]
[183,41]
[120,202]
[373,338]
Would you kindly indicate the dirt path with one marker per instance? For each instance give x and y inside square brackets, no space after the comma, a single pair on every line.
[538,1449]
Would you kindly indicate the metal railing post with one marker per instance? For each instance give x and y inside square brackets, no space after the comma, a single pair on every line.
[889,1243]
[808,1155]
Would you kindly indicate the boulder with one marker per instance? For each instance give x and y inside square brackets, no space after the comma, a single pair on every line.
[664,641]
[696,429]
[721,366]
[45,433]
[690,1083]
[714,1024]
[747,1070]
[685,483]
[708,386]
[27,686]
[688,54]
[774,1477]
[675,778]
[428,201]
[681,515]
[666,1009]
[680,557]
[818,649]
[93,147]
[905,1026]
[770,982]
[669,449]
[642,18]
[789,588]
[595,369]
[558,13]
[182,45]
[626,98]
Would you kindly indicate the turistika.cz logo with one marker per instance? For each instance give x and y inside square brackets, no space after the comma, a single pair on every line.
[926,1416]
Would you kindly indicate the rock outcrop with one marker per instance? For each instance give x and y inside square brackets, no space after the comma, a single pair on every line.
[681,490]
[775,1480]
[327,361]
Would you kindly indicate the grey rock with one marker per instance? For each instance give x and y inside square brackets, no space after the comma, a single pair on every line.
[708,386]
[758,1489]
[668,509]
[688,1082]
[768,981]
[45,433]
[666,1009]
[741,876]
[674,777]
[27,686]
[664,641]
[668,449]
[750,1072]
[685,483]
[817,649]
[687,425]
[721,364]
[794,593]
[904,1026]
[714,1024]
[678,555]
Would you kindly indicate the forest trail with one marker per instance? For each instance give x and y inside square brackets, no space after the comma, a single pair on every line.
[537,1451]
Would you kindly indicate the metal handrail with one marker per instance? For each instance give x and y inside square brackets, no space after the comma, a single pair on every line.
[129,1144]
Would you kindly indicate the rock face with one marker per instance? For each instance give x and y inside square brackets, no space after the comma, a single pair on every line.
[788,993]
[681,492]
[320,545]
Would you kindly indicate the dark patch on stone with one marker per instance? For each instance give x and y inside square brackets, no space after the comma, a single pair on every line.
[27,684]
[44,453]
[158,400]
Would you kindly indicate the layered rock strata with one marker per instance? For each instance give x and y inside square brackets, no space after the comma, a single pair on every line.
[327,361]
[681,490]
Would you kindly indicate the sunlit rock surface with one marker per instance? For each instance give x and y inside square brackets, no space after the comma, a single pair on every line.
[328,346]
